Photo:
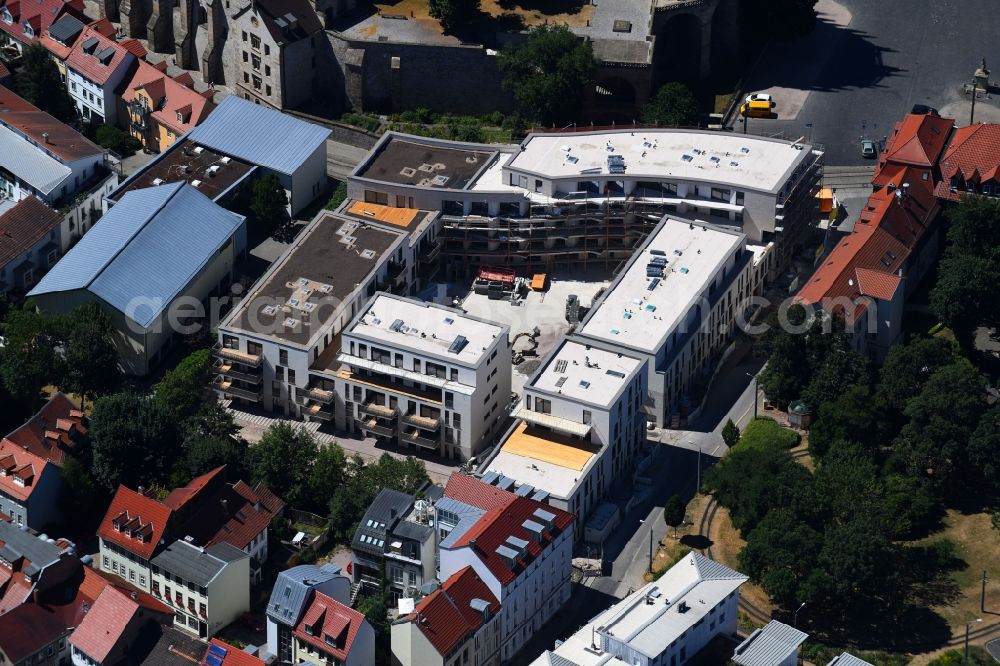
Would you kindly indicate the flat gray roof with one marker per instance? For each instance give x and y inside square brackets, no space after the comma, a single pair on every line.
[407,160]
[585,373]
[197,565]
[772,644]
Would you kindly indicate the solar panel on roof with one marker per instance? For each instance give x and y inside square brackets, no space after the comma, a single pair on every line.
[616,373]
[561,381]
[213,660]
[218,649]
[458,345]
[561,365]
[524,490]
[505,482]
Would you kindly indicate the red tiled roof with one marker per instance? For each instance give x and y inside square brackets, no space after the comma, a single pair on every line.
[474,492]
[104,26]
[16,463]
[40,14]
[62,140]
[24,225]
[234,656]
[973,154]
[135,47]
[104,624]
[95,581]
[877,284]
[4,72]
[140,513]
[27,629]
[329,617]
[492,530]
[170,97]
[89,65]
[446,616]
[179,497]
[918,140]
[231,514]
[44,434]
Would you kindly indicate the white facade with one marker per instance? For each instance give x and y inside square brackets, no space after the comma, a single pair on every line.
[663,623]
[590,399]
[39,171]
[126,565]
[428,376]
[529,600]
[97,103]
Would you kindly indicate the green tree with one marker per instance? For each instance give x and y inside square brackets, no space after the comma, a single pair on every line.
[730,434]
[857,558]
[673,512]
[89,355]
[268,200]
[282,460]
[780,554]
[134,441]
[361,483]
[983,455]
[38,82]
[182,389]
[211,439]
[852,415]
[933,444]
[673,105]
[840,369]
[28,359]
[453,14]
[549,73]
[326,474]
[338,197]
[905,371]
[77,493]
[965,296]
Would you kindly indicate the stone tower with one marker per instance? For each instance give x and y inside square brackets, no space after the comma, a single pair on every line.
[134,17]
[109,9]
[160,27]
[211,61]
[187,49]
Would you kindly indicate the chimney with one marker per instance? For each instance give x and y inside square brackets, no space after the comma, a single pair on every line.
[225,505]
[45,137]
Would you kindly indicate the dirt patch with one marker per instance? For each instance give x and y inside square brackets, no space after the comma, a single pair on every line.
[802,456]
[527,12]
[726,546]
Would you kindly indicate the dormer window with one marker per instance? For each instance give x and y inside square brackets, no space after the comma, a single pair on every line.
[329,640]
[28,31]
[180,117]
[19,481]
[5,15]
[310,629]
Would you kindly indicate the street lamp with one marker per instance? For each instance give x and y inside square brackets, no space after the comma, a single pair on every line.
[967,625]
[697,487]
[795,617]
[756,393]
[650,544]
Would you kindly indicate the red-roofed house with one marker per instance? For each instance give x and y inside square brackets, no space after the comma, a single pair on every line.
[53,432]
[472,491]
[330,632]
[208,510]
[971,163]
[456,624]
[22,22]
[159,109]
[36,634]
[132,531]
[523,553]
[29,244]
[109,628]
[229,655]
[29,487]
[96,68]
[917,140]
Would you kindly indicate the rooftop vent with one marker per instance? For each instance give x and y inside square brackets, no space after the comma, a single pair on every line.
[195,183]
[458,345]
[396,325]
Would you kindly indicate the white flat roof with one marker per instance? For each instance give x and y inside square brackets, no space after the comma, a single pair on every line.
[492,179]
[554,479]
[589,375]
[742,161]
[699,582]
[427,328]
[631,314]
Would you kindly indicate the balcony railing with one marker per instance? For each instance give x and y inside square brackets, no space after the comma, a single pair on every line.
[226,387]
[319,411]
[430,253]
[372,426]
[226,367]
[253,360]
[413,437]
[317,394]
[425,422]
[377,410]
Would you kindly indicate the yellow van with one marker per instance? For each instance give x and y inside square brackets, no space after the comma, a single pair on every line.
[757,109]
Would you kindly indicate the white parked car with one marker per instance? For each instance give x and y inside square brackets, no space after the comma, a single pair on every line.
[759,97]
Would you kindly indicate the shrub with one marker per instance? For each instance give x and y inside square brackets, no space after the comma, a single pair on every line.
[764,432]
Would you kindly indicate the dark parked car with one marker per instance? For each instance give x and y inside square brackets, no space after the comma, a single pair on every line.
[924,110]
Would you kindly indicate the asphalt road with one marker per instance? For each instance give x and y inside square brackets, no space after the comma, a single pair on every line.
[867,63]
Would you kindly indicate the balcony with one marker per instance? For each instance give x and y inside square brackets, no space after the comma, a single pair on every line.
[413,437]
[317,394]
[430,253]
[372,425]
[319,411]
[397,272]
[225,386]
[377,410]
[253,360]
[424,422]
[225,367]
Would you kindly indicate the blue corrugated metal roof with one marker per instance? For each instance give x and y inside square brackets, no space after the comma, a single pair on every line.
[259,135]
[145,250]
[30,163]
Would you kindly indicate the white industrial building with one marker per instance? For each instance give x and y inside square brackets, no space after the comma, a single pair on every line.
[425,376]
[774,644]
[581,428]
[663,623]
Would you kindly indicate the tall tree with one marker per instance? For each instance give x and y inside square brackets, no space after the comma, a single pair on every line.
[673,512]
[453,14]
[282,459]
[549,73]
[134,441]
[907,368]
[211,439]
[983,456]
[182,389]
[89,355]
[852,415]
[38,81]
[673,105]
[268,200]
[730,433]
[780,554]
[27,359]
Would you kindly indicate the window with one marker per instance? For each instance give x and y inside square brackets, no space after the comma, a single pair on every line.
[454,374]
[283,356]
[267,70]
[106,563]
[449,400]
[246,56]
[586,416]
[72,86]
[255,42]
[267,49]
[255,61]
[257,83]
[131,574]
[397,576]
[719,194]
[142,580]
[267,89]
[279,373]
[457,421]
[291,376]
[246,78]
[244,37]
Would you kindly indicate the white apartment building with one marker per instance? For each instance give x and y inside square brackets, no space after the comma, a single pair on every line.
[581,428]
[564,200]
[208,588]
[675,305]
[522,550]
[663,623]
[424,376]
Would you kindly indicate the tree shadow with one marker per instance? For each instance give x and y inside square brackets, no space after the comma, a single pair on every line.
[548,7]
[696,541]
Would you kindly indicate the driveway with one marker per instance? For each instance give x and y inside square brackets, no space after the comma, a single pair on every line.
[867,63]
